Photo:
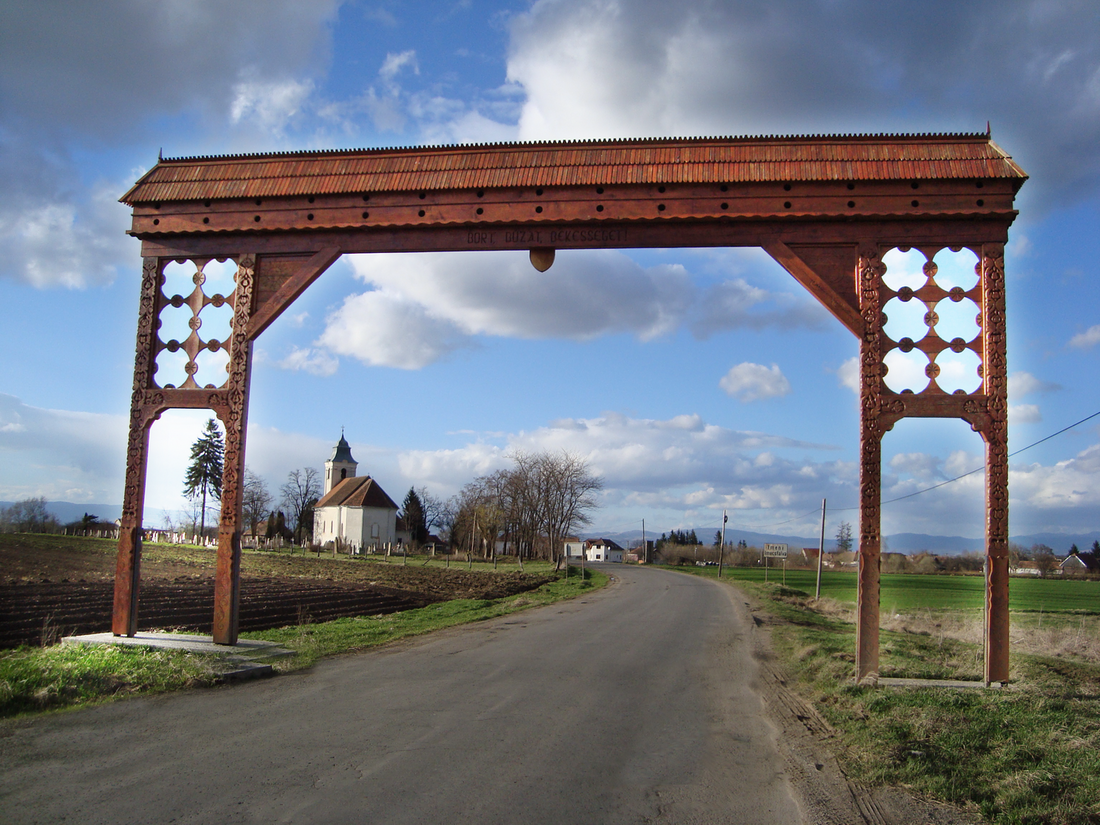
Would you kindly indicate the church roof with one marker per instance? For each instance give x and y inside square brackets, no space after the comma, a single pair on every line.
[342,451]
[359,491]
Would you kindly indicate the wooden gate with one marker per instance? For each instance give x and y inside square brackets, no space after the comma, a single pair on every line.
[826,208]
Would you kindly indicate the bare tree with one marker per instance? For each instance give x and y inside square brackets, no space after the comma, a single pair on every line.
[521,505]
[531,507]
[1044,557]
[566,494]
[28,515]
[434,509]
[300,494]
[256,500]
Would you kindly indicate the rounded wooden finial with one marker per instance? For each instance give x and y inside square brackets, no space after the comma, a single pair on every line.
[542,258]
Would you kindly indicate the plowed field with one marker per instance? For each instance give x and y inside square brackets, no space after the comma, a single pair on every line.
[54,586]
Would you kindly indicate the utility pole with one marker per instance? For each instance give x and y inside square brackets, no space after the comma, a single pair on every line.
[820,551]
[722,549]
[645,545]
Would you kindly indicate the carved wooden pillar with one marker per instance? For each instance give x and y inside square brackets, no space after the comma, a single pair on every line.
[870,271]
[145,408]
[231,407]
[995,433]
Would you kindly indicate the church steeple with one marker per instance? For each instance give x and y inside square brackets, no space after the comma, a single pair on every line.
[341,465]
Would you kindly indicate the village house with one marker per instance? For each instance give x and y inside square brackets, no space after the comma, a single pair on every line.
[354,512]
[1078,563]
[593,549]
[602,550]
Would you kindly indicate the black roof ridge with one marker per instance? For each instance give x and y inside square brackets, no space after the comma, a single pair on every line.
[306,153]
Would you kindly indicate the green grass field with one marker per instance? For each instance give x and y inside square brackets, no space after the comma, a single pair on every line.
[903,592]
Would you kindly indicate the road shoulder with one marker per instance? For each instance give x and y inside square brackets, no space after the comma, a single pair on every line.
[825,793]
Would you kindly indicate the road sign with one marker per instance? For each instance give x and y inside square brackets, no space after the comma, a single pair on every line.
[775,551]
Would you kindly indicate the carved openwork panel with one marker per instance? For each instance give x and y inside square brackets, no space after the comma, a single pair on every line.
[933,338]
[195,309]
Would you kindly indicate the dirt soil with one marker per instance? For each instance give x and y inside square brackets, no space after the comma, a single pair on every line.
[67,583]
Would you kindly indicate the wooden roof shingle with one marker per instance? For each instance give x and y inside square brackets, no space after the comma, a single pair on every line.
[574,163]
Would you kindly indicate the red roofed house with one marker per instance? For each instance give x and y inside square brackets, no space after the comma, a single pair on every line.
[354,509]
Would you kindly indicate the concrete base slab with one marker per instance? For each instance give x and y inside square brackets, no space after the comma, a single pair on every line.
[936,683]
[245,660]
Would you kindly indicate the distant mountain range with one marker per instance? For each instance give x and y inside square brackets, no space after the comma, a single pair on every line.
[907,543]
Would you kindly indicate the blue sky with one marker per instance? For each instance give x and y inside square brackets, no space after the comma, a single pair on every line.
[691,380]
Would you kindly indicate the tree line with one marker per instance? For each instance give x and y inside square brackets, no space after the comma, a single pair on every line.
[527,510]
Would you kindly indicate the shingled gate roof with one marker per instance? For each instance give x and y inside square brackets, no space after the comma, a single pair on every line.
[573,163]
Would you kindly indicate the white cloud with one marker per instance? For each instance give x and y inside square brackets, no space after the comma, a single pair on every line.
[608,68]
[60,454]
[425,306]
[394,63]
[50,240]
[754,382]
[737,304]
[388,330]
[847,374]
[1067,490]
[1024,414]
[919,465]
[268,105]
[682,463]
[470,127]
[1088,338]
[150,59]
[1024,383]
[315,362]
[109,74]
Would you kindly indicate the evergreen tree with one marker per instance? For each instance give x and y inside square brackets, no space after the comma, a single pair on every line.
[204,473]
[412,511]
[844,537]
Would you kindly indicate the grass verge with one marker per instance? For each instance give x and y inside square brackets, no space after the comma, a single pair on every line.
[1027,754]
[33,680]
[311,642]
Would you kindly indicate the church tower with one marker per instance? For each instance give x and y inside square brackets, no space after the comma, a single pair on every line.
[340,466]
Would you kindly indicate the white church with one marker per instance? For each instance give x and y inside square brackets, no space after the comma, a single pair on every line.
[354,510]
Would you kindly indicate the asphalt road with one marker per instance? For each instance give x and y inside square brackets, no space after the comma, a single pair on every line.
[633,705]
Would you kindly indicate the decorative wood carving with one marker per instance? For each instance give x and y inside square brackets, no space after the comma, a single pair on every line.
[146,404]
[870,271]
[232,409]
[228,401]
[995,433]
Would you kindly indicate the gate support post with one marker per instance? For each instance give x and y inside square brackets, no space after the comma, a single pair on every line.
[869,277]
[145,408]
[234,417]
[995,433]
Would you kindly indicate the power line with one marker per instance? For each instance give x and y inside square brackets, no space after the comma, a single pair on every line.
[934,486]
[817,510]
[977,469]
